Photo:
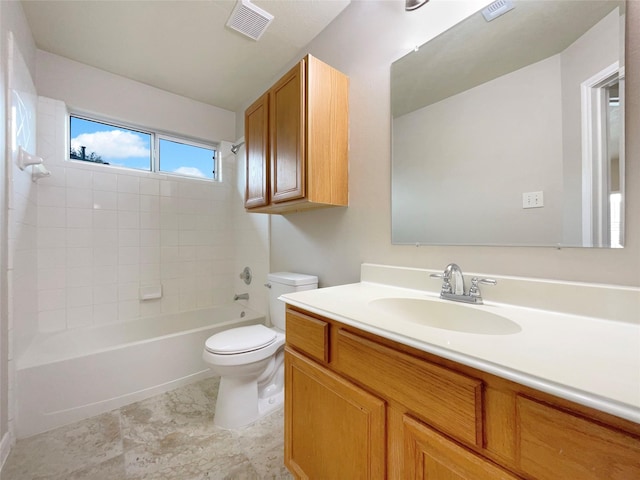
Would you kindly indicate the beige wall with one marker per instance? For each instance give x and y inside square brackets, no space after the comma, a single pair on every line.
[362,42]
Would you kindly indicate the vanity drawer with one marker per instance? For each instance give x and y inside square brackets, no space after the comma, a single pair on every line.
[308,334]
[557,444]
[450,401]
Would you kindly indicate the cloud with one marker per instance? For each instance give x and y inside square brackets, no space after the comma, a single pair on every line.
[191,171]
[112,144]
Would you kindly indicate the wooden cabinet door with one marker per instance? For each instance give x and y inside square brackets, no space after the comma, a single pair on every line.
[256,136]
[431,456]
[333,429]
[287,123]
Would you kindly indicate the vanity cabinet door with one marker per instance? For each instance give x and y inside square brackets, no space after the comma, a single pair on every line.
[554,443]
[428,455]
[333,429]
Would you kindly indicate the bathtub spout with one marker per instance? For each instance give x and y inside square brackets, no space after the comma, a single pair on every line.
[242,296]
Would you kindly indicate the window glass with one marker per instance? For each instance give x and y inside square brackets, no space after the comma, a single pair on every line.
[188,159]
[99,142]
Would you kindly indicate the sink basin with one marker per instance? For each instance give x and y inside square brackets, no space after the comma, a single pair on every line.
[448,316]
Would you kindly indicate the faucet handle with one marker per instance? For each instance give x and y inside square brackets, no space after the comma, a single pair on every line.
[474,290]
[446,285]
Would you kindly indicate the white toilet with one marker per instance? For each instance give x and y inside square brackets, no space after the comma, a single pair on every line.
[250,360]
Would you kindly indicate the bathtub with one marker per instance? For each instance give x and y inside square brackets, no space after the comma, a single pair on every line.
[68,376]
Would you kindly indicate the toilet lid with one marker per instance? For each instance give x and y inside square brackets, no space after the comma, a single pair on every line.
[240,340]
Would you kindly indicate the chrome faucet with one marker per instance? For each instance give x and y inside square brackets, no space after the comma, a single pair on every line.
[242,296]
[453,285]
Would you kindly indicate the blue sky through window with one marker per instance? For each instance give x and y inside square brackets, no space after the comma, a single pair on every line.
[186,159]
[128,148]
[114,145]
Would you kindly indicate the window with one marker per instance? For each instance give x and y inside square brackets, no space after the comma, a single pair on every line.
[116,145]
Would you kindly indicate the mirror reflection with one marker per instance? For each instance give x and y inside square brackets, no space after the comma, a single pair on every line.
[510,131]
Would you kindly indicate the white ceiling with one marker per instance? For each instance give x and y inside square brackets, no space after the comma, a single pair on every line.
[182,46]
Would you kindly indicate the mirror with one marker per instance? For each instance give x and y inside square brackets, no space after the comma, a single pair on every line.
[510,131]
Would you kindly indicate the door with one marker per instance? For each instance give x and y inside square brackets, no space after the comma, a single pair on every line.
[333,429]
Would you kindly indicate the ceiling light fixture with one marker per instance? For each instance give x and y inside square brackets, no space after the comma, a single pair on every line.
[413,4]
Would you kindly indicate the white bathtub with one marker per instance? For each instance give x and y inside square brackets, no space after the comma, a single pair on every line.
[68,376]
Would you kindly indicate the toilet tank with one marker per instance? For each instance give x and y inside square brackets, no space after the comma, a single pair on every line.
[286,282]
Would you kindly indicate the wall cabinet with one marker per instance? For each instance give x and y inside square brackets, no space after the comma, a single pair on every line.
[361,406]
[296,141]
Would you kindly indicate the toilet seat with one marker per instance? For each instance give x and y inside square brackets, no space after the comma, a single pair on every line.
[240,340]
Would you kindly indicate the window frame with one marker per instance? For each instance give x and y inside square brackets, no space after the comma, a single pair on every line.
[156,136]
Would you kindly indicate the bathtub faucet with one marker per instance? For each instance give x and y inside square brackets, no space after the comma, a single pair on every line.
[242,296]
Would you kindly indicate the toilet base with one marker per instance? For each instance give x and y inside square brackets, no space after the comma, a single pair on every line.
[243,400]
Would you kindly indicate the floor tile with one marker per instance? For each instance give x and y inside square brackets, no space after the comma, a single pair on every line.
[166,437]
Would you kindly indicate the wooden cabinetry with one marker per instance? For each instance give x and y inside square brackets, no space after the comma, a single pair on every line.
[296,141]
[383,409]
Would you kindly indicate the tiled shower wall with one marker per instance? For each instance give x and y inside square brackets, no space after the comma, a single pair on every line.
[104,232]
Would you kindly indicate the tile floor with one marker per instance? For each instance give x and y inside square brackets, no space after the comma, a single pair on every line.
[167,437]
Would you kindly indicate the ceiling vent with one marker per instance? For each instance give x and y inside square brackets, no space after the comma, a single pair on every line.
[249,20]
[497,8]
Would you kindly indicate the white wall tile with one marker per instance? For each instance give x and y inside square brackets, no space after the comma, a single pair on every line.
[79,178]
[80,316]
[105,294]
[128,273]
[149,203]
[79,197]
[128,183]
[128,220]
[105,275]
[105,200]
[52,299]
[105,313]
[100,233]
[103,256]
[129,255]
[107,237]
[128,291]
[128,202]
[79,257]
[79,277]
[79,217]
[105,219]
[52,216]
[169,188]
[128,310]
[52,237]
[150,220]
[79,237]
[149,186]
[52,257]
[52,196]
[128,238]
[150,272]
[105,181]
[79,296]
[52,320]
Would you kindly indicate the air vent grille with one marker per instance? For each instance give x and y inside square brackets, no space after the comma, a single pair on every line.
[249,19]
[497,8]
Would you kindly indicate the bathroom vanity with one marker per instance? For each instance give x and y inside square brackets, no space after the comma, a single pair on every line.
[369,396]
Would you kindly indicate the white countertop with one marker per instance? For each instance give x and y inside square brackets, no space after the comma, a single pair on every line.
[590,361]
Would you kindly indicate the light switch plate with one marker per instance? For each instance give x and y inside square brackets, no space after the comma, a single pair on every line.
[532,200]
